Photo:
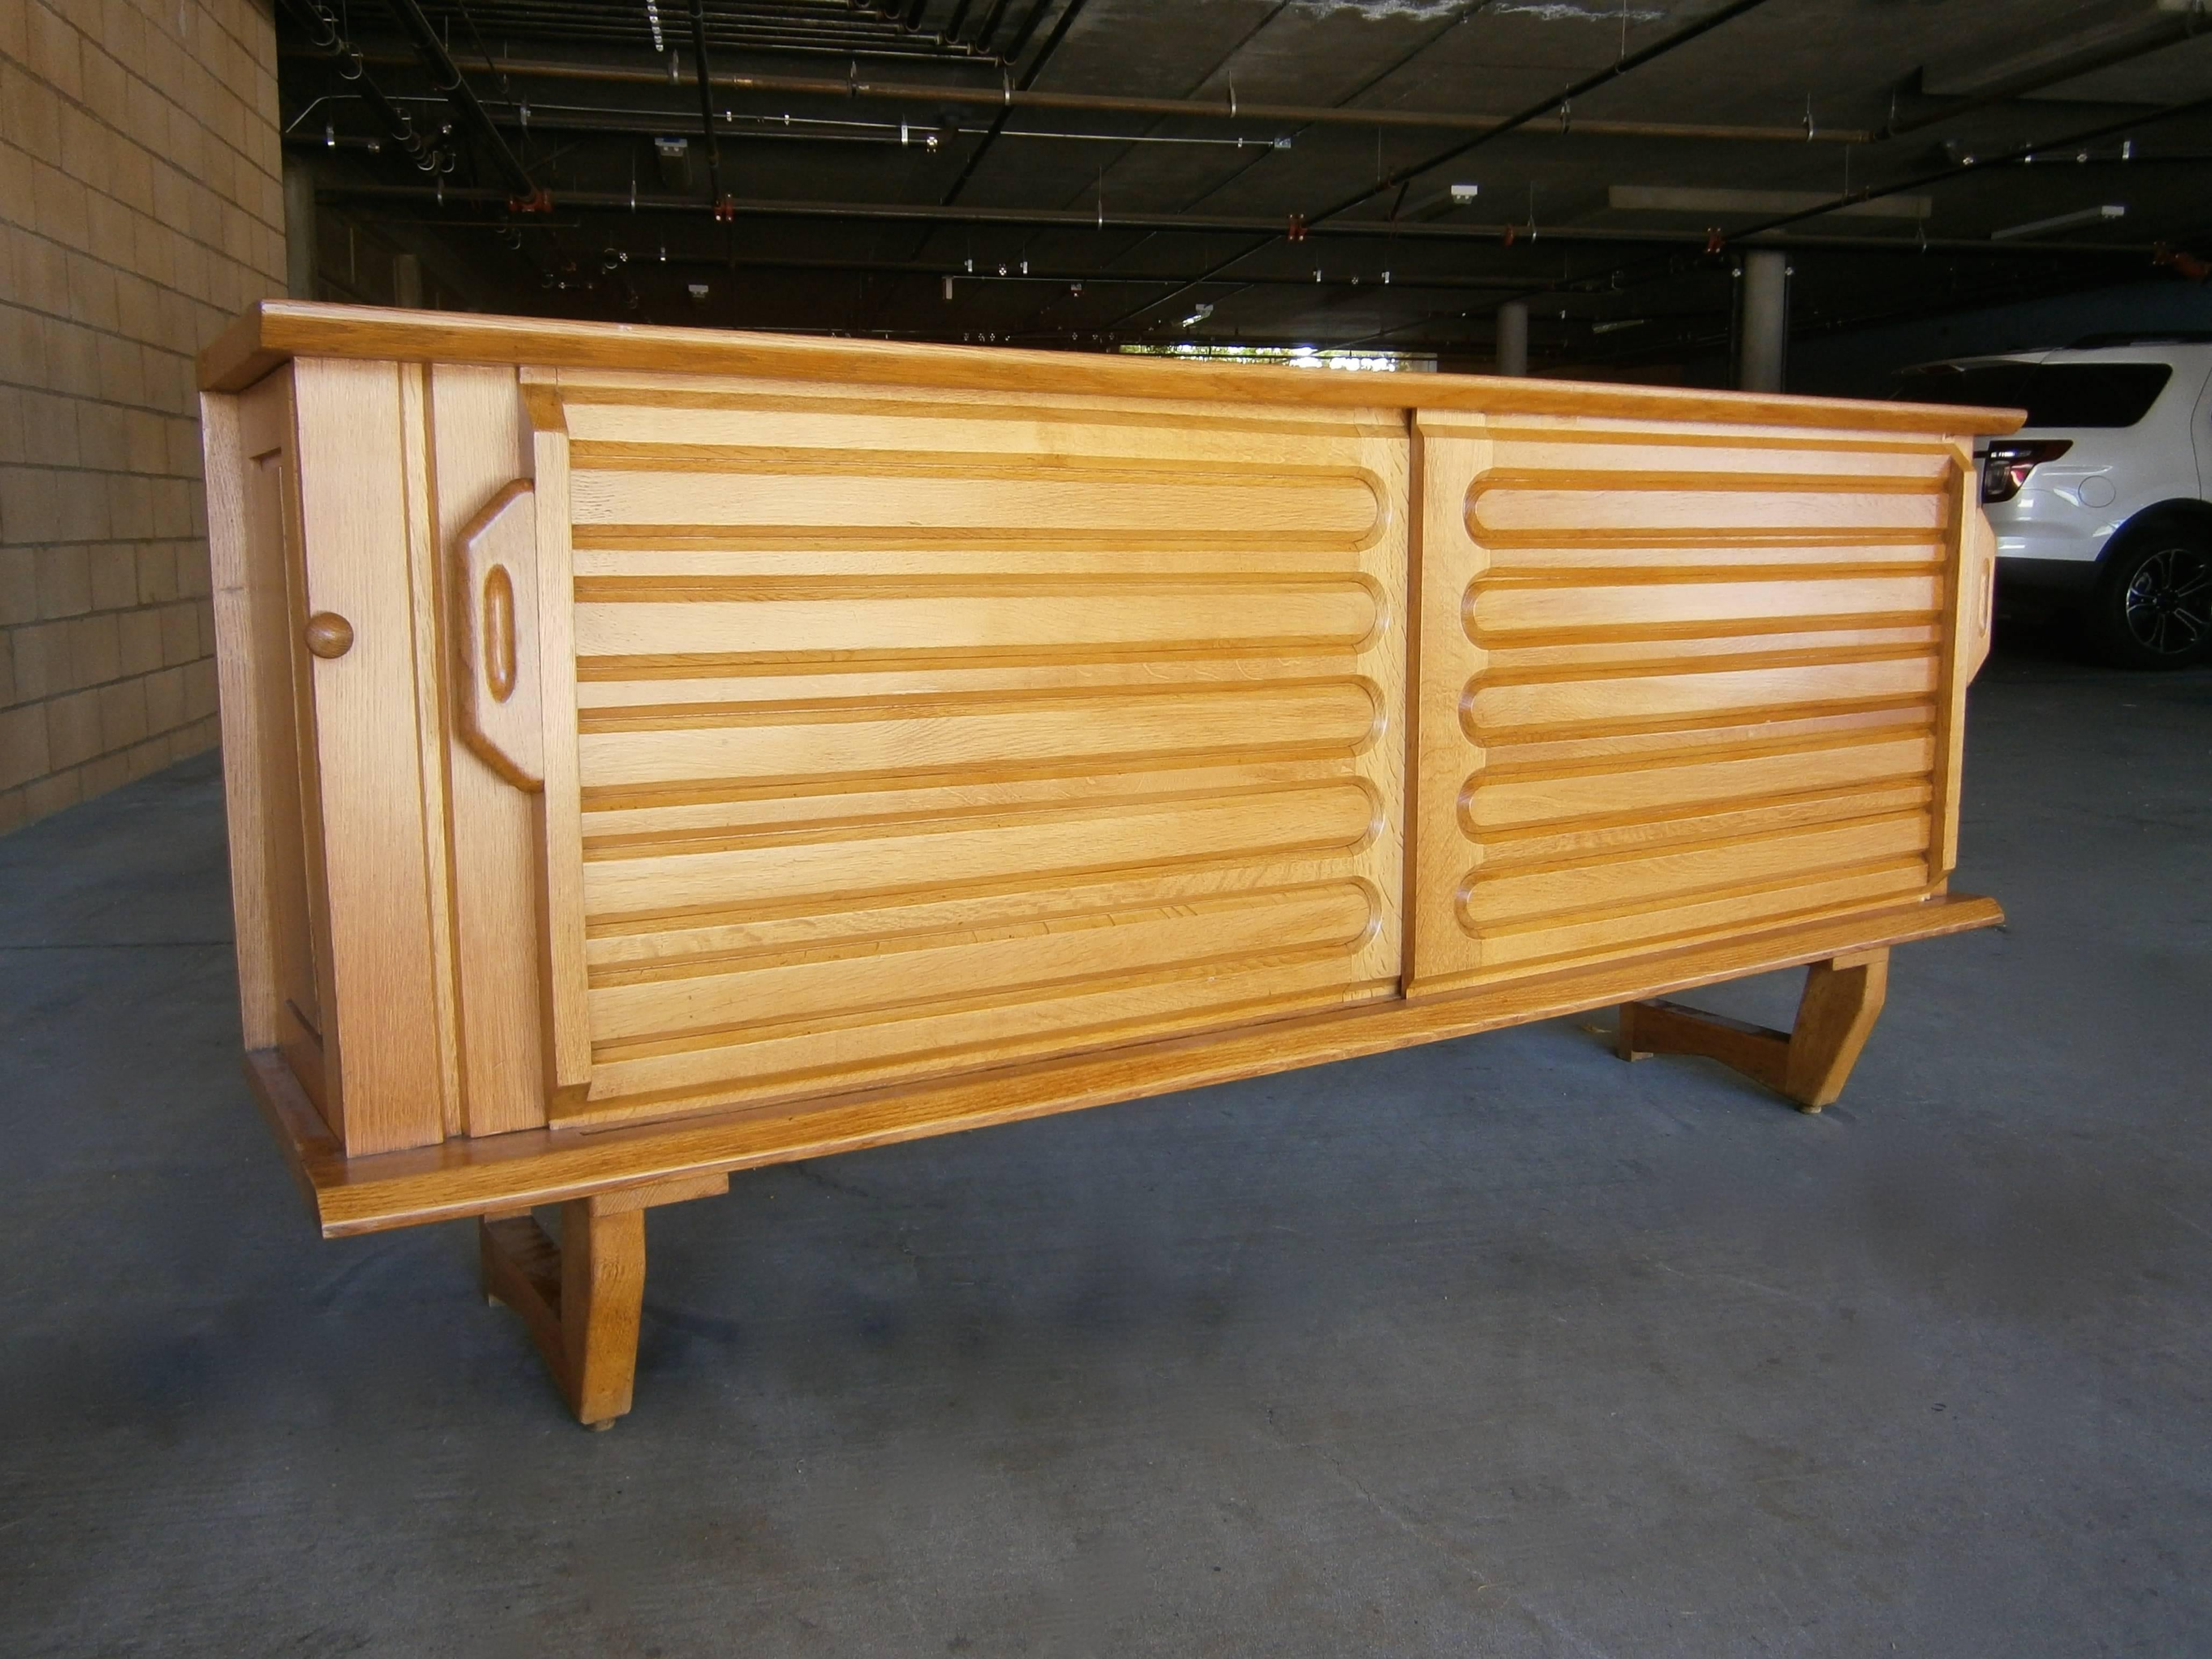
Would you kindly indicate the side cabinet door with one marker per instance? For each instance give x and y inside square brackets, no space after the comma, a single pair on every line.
[1679,680]
[892,734]
[268,751]
[362,609]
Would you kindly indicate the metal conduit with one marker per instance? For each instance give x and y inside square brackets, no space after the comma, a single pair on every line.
[1636,60]
[1197,109]
[1044,56]
[447,78]
[2168,31]
[1301,226]
[322,24]
[705,78]
[1088,219]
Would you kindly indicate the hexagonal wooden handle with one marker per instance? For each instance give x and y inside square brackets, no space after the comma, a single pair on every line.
[497,634]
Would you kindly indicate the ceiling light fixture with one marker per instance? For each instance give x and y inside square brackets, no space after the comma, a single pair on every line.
[652,22]
[1196,317]
[2091,216]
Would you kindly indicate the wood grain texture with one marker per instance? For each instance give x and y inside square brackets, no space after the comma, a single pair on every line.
[273,332]
[268,753]
[1676,679]
[1964,648]
[381,1015]
[582,1298]
[479,450]
[249,703]
[496,631]
[1662,1027]
[562,918]
[506,1172]
[750,748]
[1810,1063]
[921,733]
[433,723]
[1843,1000]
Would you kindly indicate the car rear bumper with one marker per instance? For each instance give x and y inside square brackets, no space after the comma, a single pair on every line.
[2047,575]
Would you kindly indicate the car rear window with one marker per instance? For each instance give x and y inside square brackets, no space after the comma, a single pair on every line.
[2054,394]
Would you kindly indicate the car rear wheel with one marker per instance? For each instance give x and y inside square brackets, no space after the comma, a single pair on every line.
[2153,607]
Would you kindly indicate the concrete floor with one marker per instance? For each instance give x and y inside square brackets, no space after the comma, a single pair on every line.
[1498,1346]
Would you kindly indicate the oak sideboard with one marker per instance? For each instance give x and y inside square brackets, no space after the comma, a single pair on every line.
[652,752]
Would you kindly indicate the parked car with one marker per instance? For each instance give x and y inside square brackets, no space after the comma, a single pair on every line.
[2101,498]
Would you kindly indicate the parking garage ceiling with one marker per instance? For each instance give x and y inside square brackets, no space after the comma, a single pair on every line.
[1380,173]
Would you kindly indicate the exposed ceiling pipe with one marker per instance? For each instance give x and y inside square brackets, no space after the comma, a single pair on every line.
[705,78]
[1036,66]
[1037,275]
[2018,154]
[322,27]
[1303,226]
[447,78]
[1196,224]
[1558,100]
[1246,113]
[749,26]
[2171,30]
[1463,13]
[1019,44]
[1766,232]
[990,26]
[608,120]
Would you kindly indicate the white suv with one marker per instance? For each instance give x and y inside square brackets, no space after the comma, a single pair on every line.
[2102,496]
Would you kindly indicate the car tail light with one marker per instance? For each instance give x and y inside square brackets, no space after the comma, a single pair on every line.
[2007,465]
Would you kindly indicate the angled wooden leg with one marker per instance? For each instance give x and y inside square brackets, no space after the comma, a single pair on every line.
[582,1297]
[1809,1063]
[1843,999]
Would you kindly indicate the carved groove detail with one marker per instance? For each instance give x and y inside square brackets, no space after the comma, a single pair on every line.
[1702,675]
[915,735]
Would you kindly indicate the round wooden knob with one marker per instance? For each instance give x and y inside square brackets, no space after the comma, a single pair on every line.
[329,634]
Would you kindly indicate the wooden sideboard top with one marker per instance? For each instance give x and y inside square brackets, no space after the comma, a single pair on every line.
[275,331]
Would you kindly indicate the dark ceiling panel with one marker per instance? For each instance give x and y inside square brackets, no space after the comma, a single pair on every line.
[1640,289]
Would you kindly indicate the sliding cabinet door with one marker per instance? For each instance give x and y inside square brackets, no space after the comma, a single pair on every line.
[1679,680]
[894,733]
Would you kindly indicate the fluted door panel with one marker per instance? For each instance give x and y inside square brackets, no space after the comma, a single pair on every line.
[1677,681]
[916,733]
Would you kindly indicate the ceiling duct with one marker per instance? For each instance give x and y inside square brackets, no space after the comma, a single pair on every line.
[1711,203]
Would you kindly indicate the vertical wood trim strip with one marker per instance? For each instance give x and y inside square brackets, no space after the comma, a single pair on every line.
[352,474]
[1385,661]
[1448,562]
[433,720]
[1416,608]
[1959,637]
[478,447]
[241,680]
[561,805]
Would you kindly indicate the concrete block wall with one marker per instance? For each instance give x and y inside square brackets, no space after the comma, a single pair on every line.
[141,208]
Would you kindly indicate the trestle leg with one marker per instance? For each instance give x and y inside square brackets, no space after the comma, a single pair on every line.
[1809,1063]
[582,1297]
